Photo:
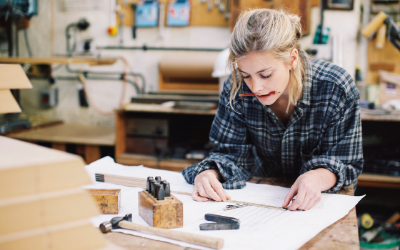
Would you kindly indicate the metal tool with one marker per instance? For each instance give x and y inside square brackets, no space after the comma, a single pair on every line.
[230,207]
[125,223]
[221,222]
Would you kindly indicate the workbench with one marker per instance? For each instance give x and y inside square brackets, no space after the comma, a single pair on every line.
[138,110]
[88,138]
[343,234]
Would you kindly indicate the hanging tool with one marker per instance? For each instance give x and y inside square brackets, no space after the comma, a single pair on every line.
[228,12]
[369,235]
[126,223]
[161,20]
[209,5]
[392,31]
[222,6]
[221,222]
[366,221]
[133,6]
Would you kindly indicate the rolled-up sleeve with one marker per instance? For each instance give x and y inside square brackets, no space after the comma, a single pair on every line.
[341,146]
[232,156]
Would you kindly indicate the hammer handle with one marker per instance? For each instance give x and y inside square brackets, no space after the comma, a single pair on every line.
[211,242]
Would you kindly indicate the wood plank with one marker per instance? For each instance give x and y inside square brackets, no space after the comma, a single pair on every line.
[55,169]
[387,118]
[378,180]
[151,162]
[154,108]
[133,242]
[388,55]
[59,60]
[92,153]
[71,133]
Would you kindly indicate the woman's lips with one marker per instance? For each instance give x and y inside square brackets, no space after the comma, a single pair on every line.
[270,93]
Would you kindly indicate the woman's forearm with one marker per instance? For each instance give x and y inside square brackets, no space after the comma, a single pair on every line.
[328,179]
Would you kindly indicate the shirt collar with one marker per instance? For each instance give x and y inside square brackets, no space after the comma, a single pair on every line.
[307,81]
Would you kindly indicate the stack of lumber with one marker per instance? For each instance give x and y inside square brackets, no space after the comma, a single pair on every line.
[41,203]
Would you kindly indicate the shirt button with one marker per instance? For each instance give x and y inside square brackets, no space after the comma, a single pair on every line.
[274,120]
[287,140]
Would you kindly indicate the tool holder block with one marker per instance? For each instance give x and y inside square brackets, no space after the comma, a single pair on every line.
[166,213]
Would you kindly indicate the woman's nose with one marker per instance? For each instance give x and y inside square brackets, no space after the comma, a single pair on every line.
[257,86]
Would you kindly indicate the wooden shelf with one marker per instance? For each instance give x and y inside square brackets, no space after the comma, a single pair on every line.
[387,118]
[157,108]
[151,162]
[59,60]
[377,180]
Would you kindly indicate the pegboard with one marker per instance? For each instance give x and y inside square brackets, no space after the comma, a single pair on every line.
[199,15]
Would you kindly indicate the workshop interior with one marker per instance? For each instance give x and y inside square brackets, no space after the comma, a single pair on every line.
[103,104]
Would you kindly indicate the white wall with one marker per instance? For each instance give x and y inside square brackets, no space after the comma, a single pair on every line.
[106,94]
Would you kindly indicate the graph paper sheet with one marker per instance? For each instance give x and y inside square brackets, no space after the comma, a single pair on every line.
[261,228]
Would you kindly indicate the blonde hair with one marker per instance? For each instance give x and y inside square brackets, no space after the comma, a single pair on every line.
[266,30]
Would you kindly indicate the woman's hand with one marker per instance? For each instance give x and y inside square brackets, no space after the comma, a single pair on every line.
[207,186]
[308,187]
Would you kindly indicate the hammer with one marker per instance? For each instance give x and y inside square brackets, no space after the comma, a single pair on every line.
[126,223]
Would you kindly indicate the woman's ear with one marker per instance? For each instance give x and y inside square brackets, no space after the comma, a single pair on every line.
[294,58]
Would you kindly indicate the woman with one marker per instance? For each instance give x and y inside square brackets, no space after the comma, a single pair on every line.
[303,122]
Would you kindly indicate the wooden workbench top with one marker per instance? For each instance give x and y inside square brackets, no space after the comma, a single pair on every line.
[71,133]
[342,234]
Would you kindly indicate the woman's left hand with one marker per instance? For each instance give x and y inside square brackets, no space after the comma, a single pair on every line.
[308,190]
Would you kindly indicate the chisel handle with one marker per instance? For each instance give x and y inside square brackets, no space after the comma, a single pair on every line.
[206,241]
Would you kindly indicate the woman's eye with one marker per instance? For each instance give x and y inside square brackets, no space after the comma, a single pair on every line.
[245,77]
[265,77]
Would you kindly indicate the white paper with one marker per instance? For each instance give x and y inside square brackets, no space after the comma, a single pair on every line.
[260,227]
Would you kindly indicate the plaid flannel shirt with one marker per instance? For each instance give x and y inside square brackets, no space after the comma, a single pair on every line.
[324,131]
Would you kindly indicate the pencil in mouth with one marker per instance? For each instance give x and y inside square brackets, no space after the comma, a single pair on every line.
[252,94]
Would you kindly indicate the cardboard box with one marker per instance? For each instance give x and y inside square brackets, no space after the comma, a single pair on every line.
[389,86]
[12,77]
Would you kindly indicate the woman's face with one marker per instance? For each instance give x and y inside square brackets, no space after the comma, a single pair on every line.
[265,74]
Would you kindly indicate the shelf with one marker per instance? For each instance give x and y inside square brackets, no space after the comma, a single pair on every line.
[151,162]
[387,118]
[377,180]
[59,60]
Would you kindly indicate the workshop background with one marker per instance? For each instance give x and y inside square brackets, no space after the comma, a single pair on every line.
[46,34]
[139,81]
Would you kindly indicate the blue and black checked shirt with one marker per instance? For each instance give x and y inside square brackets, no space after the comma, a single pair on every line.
[324,131]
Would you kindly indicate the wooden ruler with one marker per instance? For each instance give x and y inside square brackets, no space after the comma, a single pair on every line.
[141,183]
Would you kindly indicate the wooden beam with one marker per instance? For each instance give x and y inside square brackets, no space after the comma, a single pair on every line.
[59,60]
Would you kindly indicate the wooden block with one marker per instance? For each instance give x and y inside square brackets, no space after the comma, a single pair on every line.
[107,200]
[166,213]
[28,169]
[45,209]
[67,236]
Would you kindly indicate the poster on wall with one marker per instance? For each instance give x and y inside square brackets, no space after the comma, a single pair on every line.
[178,13]
[147,14]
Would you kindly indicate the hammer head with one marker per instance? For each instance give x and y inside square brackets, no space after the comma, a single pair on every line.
[106,226]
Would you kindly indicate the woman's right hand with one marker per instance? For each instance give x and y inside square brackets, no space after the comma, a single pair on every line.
[207,186]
